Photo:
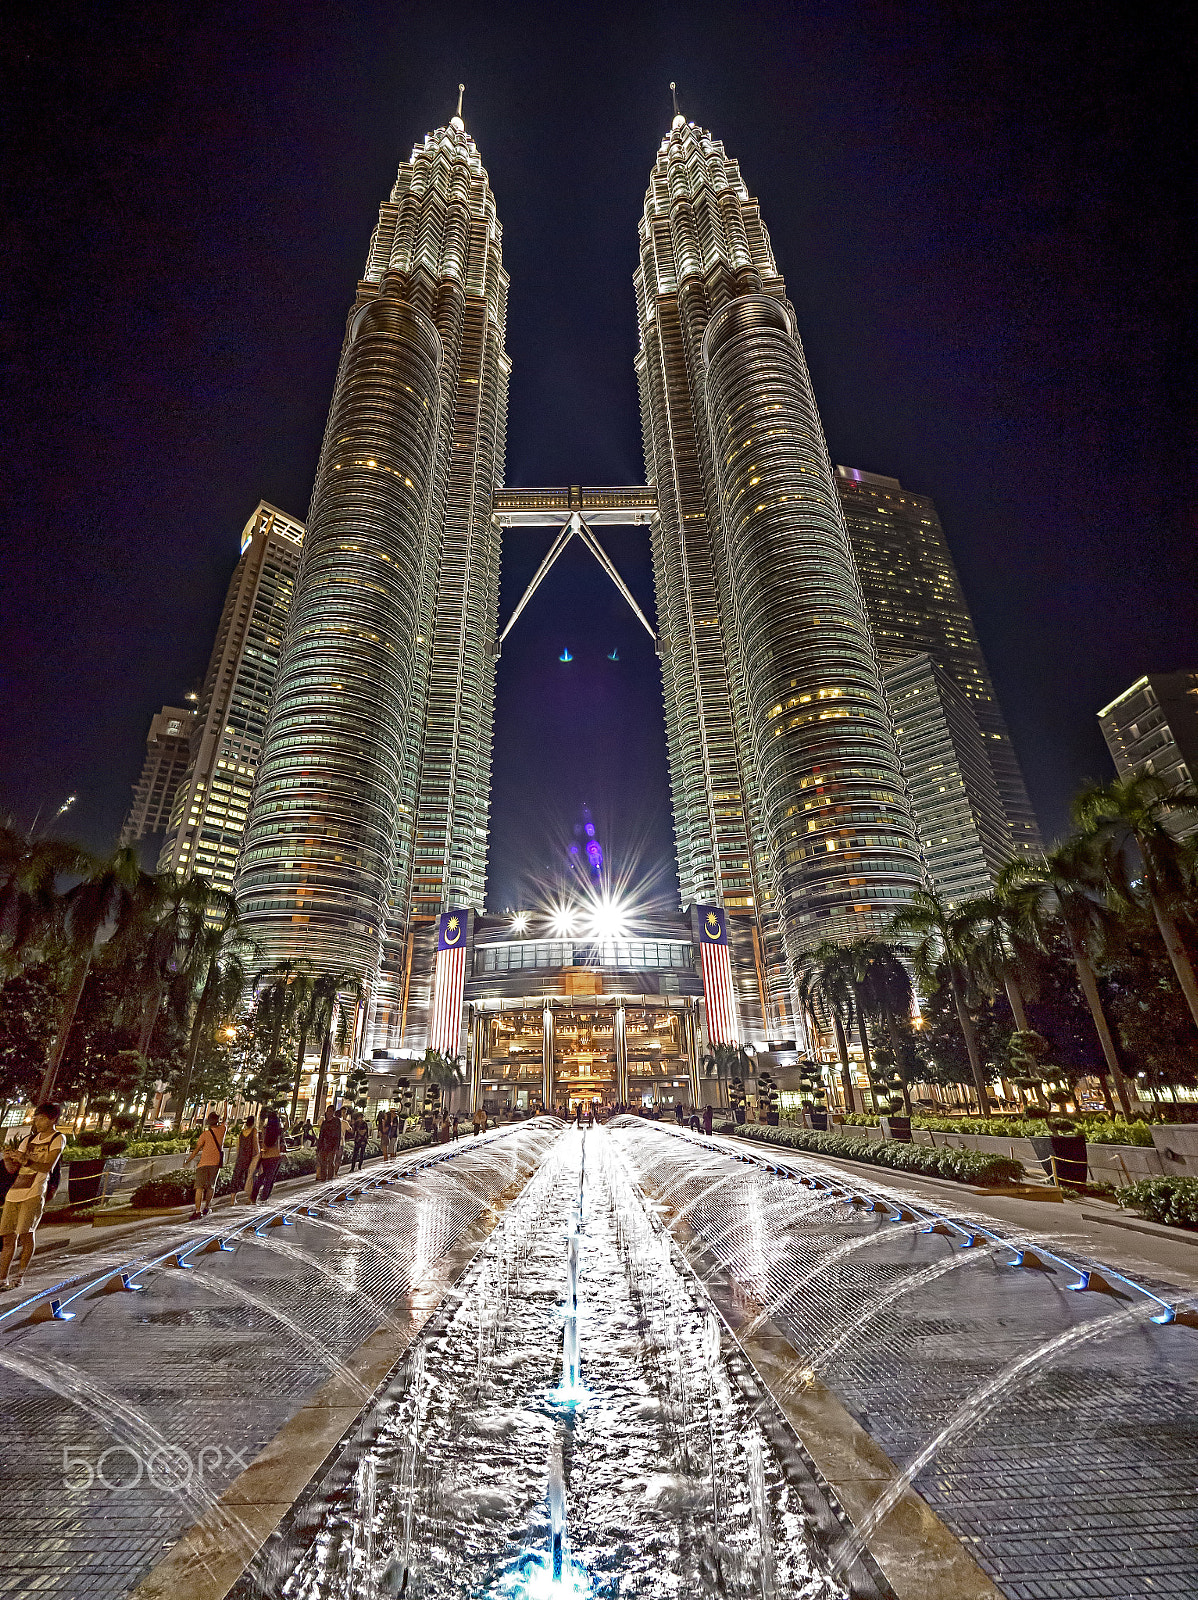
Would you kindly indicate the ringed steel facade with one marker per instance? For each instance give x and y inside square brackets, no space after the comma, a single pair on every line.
[787,789]
[372,795]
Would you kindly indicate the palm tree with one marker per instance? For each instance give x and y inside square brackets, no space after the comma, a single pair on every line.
[1066,884]
[723,1061]
[942,954]
[1129,818]
[30,904]
[108,895]
[334,997]
[301,1014]
[887,995]
[826,989]
[1001,942]
[216,973]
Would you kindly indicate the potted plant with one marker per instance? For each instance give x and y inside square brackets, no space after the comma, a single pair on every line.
[812,1095]
[895,1123]
[767,1099]
[1062,1151]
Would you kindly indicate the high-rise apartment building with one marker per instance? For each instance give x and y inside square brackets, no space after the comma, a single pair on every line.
[161,774]
[958,809]
[1153,727]
[788,799]
[916,606]
[372,795]
[208,818]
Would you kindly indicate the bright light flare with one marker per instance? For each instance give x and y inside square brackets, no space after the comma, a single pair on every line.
[563,920]
[607,918]
[520,922]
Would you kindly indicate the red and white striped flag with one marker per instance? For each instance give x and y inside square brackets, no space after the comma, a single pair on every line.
[717,976]
[445,1021]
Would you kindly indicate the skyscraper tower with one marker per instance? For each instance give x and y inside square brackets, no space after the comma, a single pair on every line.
[208,818]
[916,606]
[788,798]
[372,793]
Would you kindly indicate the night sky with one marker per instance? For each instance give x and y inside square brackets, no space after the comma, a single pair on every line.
[985,217]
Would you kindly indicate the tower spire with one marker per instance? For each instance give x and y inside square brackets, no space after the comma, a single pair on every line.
[679,119]
[461,92]
[456,120]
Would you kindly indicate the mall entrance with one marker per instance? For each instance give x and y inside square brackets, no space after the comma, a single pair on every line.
[568,1054]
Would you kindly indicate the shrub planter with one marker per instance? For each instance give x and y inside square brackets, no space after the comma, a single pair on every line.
[1067,1151]
[85,1179]
[897,1128]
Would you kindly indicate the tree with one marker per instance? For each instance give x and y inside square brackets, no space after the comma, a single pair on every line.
[269,1082]
[335,997]
[1066,885]
[1002,945]
[215,977]
[826,992]
[357,1086]
[942,954]
[30,903]
[1127,824]
[29,1003]
[107,896]
[724,1061]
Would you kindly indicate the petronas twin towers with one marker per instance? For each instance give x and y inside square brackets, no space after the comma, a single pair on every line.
[371,805]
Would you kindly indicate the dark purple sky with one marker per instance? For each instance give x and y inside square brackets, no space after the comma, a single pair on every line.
[985,215]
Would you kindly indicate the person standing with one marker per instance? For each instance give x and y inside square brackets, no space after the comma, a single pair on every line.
[272,1145]
[456,1129]
[707,1119]
[34,1161]
[328,1146]
[347,1133]
[208,1155]
[361,1136]
[446,1132]
[246,1161]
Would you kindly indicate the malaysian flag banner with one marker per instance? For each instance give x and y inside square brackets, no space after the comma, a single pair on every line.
[445,1022]
[717,975]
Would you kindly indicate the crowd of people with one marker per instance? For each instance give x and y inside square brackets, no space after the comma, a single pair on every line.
[31,1168]
[343,1134]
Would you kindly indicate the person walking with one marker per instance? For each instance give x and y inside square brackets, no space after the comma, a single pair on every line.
[707,1119]
[347,1133]
[208,1155]
[446,1132]
[328,1146]
[34,1164]
[456,1129]
[361,1137]
[245,1163]
[272,1142]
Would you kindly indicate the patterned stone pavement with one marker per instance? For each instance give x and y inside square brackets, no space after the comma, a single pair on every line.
[1070,1472]
[117,1429]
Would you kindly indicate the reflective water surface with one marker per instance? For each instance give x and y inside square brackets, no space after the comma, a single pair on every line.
[532,1447]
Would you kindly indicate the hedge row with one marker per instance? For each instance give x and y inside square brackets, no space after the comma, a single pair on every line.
[1098,1130]
[178,1188]
[965,1166]
[1172,1200]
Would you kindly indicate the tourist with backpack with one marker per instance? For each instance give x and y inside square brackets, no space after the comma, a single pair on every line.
[35,1164]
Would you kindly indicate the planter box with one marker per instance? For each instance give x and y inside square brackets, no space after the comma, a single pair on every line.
[85,1180]
[1065,1151]
[897,1128]
[818,1121]
[1176,1143]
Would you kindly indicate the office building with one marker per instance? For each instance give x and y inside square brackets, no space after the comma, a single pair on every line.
[208,818]
[161,774]
[788,801]
[372,796]
[1153,727]
[958,809]
[916,605]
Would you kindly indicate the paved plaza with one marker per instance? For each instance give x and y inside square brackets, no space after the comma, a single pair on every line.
[1053,1431]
